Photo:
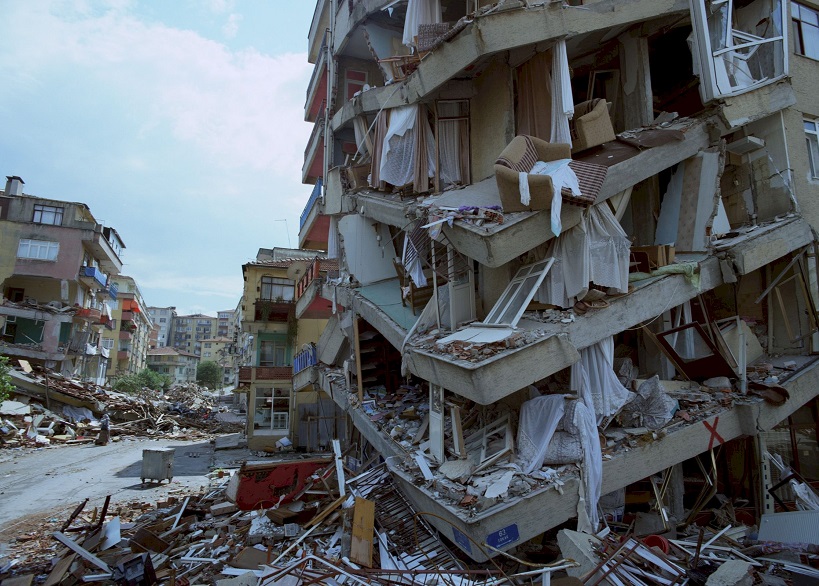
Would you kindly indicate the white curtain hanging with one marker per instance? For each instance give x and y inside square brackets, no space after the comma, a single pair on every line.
[420,12]
[538,421]
[609,249]
[562,100]
[398,151]
[593,376]
[449,142]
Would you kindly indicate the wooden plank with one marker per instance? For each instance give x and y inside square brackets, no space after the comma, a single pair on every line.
[24,580]
[60,569]
[361,549]
[72,545]
[342,484]
[327,510]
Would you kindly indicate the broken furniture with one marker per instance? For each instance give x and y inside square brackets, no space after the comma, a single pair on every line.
[591,125]
[401,66]
[520,156]
[430,36]
[157,464]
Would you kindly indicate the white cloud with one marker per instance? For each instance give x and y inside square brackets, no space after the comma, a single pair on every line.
[190,150]
[231,27]
[240,108]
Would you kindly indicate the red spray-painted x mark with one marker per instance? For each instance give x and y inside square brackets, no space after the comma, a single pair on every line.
[714,434]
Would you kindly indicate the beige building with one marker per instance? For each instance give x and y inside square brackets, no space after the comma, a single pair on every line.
[179,365]
[188,331]
[222,352]
[447,190]
[276,338]
[57,265]
[129,340]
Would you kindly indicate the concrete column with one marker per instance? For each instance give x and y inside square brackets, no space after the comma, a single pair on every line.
[638,107]
[675,493]
[491,283]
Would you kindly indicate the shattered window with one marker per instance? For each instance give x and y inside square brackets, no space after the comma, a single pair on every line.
[738,48]
[518,294]
[805,31]
[812,139]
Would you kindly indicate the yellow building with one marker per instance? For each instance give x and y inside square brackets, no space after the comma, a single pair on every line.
[268,316]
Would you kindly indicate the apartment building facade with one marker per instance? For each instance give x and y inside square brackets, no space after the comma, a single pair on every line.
[179,365]
[188,331]
[57,265]
[132,327]
[691,131]
[163,318]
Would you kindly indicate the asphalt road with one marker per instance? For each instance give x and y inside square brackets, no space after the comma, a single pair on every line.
[59,478]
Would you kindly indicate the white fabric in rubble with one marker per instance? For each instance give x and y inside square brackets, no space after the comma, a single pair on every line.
[538,421]
[78,414]
[562,100]
[398,152]
[651,406]
[591,469]
[562,176]
[420,12]
[593,377]
[595,250]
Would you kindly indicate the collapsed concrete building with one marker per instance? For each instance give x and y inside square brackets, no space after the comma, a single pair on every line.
[516,345]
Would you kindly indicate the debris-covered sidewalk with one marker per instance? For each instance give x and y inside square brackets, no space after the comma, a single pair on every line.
[50,409]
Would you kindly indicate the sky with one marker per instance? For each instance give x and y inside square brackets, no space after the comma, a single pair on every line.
[180,123]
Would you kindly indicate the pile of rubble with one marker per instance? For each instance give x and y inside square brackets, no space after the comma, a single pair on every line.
[286,522]
[51,409]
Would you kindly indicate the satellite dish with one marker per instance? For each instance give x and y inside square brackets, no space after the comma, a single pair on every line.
[296,270]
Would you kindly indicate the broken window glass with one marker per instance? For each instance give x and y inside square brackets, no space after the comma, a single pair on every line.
[738,48]
[517,295]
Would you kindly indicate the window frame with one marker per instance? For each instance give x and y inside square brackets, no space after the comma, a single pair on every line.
[507,300]
[269,286]
[42,210]
[798,23]
[47,245]
[812,144]
[277,345]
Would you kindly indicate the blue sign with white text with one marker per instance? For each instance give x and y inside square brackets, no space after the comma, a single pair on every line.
[503,537]
[462,540]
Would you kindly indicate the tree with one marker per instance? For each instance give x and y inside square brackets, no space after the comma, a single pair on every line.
[134,383]
[209,374]
[6,386]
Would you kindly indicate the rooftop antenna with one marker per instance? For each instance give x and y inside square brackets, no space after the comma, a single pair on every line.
[286,230]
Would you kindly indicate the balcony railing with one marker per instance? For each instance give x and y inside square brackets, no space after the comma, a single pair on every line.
[305,359]
[268,310]
[89,314]
[318,130]
[93,276]
[308,277]
[314,197]
[250,373]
